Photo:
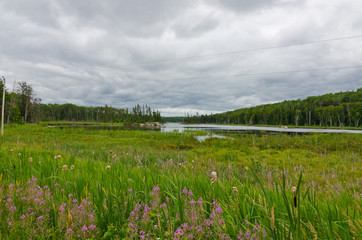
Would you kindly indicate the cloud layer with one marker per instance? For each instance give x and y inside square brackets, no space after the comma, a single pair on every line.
[112,52]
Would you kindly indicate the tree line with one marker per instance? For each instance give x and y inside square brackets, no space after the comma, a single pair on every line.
[22,106]
[338,110]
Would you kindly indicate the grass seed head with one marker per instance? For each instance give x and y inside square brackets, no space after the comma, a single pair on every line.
[30,159]
[108,167]
[65,168]
[11,151]
[235,190]
[213,177]
[59,156]
[72,167]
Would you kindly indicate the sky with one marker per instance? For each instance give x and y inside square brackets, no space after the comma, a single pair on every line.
[189,56]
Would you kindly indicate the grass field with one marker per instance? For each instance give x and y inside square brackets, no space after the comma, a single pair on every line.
[128,184]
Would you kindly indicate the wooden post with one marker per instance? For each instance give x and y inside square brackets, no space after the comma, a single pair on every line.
[3,110]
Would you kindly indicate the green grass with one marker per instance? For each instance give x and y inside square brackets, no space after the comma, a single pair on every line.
[325,168]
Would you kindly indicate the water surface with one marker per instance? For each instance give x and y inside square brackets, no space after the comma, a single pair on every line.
[179,127]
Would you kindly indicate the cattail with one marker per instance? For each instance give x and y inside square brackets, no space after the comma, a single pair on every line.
[72,167]
[294,191]
[31,159]
[65,168]
[213,177]
[108,167]
[235,190]
[11,151]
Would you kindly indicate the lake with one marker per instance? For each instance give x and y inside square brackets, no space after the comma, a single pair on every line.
[213,128]
[179,127]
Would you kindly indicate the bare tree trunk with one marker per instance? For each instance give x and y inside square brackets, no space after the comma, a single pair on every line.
[310,117]
[26,111]
[11,105]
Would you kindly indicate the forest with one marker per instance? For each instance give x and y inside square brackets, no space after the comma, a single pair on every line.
[341,109]
[22,106]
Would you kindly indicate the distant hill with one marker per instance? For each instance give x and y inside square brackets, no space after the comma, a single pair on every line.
[338,109]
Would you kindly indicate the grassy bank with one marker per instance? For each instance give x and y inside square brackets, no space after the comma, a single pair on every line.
[83,184]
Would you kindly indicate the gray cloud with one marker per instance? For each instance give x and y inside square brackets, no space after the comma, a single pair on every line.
[82,51]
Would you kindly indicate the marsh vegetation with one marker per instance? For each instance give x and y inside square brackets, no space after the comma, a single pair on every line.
[131,184]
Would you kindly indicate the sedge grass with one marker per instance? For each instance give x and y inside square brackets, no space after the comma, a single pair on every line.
[325,168]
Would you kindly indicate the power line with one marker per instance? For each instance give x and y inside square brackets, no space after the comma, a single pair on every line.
[239,52]
[266,73]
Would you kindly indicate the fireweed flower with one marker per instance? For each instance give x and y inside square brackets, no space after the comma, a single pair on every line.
[92,227]
[179,231]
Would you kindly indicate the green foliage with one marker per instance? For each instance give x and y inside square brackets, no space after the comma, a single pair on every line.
[71,112]
[337,110]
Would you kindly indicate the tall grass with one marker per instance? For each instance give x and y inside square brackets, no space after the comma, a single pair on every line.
[325,169]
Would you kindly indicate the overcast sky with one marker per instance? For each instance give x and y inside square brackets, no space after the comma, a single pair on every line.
[92,53]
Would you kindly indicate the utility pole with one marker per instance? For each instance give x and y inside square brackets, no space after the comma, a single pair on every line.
[3,110]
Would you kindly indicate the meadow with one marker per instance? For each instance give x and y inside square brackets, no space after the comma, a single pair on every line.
[132,184]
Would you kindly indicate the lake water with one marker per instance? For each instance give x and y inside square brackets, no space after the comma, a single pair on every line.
[213,129]
[179,127]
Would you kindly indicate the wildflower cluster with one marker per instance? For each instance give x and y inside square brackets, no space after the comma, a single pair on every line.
[251,232]
[156,219]
[30,211]
[77,219]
